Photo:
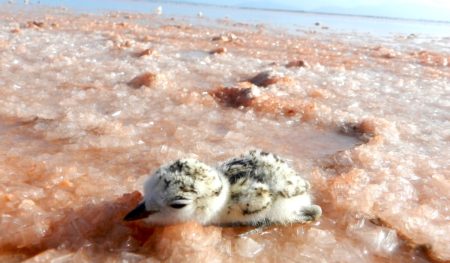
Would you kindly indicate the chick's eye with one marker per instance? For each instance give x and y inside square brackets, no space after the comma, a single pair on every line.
[177,206]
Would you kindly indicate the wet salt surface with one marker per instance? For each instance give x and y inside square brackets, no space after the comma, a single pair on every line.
[365,120]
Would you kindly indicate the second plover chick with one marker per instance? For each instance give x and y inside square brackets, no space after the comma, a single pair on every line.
[257,189]
[264,190]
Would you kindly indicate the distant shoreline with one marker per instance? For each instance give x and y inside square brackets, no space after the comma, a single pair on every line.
[294,21]
[294,11]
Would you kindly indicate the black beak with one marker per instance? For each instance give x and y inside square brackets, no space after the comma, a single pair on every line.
[138,213]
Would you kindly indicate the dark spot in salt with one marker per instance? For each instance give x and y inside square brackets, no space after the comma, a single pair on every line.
[296,64]
[263,79]
[233,97]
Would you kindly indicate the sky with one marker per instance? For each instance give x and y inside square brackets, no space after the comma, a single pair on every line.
[413,9]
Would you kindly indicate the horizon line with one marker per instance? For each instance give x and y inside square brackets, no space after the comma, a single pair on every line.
[193,3]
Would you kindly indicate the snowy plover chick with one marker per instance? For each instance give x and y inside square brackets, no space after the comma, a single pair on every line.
[186,190]
[257,189]
[264,190]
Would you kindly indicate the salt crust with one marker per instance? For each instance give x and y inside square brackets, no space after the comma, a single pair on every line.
[75,137]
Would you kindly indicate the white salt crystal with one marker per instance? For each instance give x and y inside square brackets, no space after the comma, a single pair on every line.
[247,247]
[128,257]
[380,240]
[117,113]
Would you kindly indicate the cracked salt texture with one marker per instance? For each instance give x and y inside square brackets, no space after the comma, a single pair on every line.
[366,122]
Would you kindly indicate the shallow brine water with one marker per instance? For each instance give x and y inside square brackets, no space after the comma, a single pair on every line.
[91,104]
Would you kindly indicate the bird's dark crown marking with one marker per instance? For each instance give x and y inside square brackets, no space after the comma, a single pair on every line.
[238,169]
